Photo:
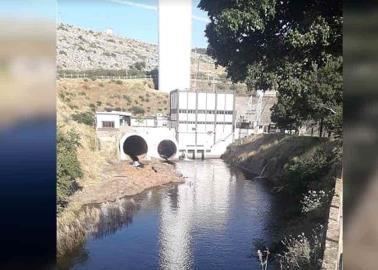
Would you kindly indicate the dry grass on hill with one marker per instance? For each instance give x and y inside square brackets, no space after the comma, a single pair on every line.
[91,161]
[82,95]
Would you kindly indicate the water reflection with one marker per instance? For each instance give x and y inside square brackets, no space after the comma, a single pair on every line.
[174,231]
[113,216]
[209,222]
[201,204]
[99,221]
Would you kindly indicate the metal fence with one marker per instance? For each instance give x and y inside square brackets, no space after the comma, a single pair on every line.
[110,77]
[197,80]
[80,75]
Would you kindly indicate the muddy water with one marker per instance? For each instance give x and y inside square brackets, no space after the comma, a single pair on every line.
[209,222]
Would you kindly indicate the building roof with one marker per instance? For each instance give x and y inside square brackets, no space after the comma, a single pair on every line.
[115,113]
[218,91]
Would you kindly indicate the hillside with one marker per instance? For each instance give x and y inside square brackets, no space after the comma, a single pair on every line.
[137,96]
[80,49]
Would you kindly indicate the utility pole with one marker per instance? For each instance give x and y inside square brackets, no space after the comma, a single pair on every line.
[198,63]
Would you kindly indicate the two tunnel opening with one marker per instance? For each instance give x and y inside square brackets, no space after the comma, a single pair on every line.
[135,146]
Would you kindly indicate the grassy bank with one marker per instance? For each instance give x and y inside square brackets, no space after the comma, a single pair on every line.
[301,172]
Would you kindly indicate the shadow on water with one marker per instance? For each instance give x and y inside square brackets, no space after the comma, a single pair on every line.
[100,221]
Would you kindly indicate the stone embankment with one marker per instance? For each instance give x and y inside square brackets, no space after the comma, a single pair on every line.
[334,237]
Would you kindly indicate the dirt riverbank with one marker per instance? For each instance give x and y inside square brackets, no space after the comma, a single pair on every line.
[265,155]
[118,180]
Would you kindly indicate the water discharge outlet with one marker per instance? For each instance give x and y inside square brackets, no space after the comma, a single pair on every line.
[167,149]
[135,146]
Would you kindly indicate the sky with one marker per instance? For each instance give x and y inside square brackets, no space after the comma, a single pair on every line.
[129,18]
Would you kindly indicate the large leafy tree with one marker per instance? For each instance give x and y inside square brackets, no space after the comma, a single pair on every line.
[292,46]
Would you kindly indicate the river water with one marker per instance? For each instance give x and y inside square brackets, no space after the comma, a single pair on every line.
[209,222]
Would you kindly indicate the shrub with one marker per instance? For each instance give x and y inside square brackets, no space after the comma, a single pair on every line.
[119,82]
[109,54]
[93,107]
[313,200]
[128,99]
[72,106]
[68,166]
[302,252]
[109,109]
[98,103]
[137,110]
[86,118]
[62,95]
[101,84]
[300,172]
[139,66]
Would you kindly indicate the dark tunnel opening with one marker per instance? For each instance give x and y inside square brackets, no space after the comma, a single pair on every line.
[167,149]
[135,146]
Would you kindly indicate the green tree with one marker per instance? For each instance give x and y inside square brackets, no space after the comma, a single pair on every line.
[140,66]
[68,166]
[292,46]
[86,118]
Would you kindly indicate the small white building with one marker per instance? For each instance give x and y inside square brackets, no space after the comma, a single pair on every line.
[204,121]
[113,119]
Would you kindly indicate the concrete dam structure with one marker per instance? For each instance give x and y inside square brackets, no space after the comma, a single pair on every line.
[148,143]
[128,138]
[201,124]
